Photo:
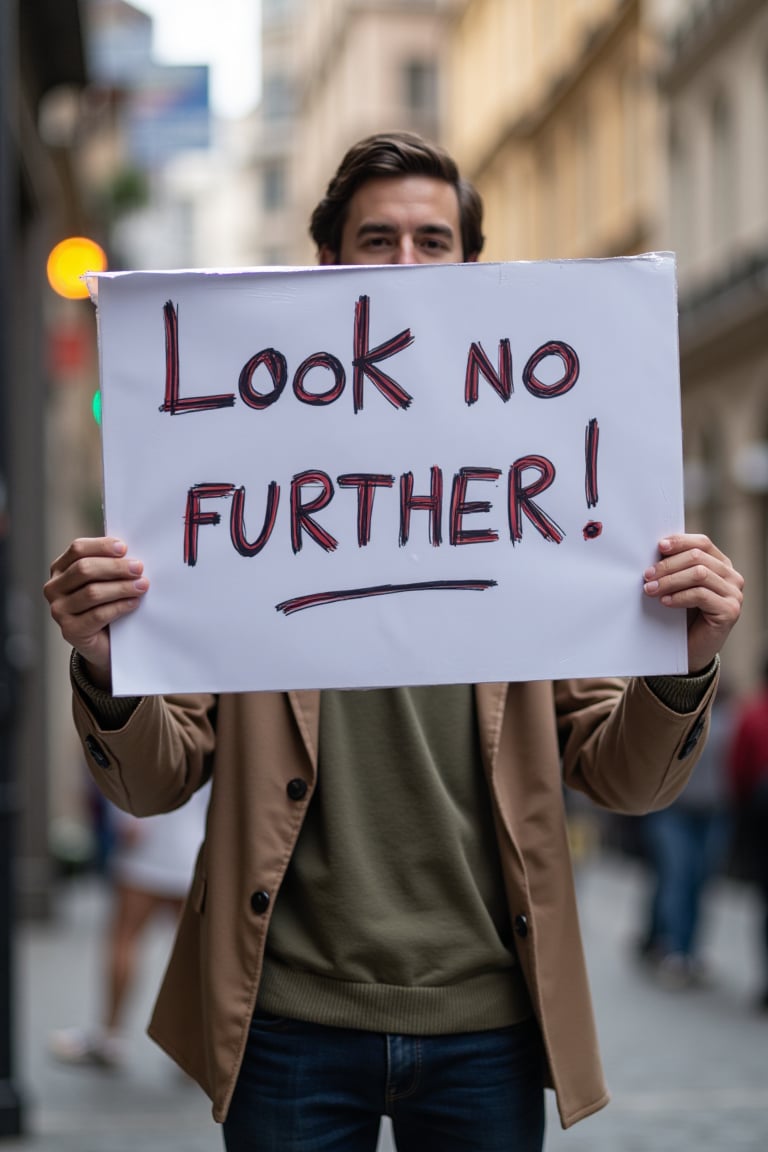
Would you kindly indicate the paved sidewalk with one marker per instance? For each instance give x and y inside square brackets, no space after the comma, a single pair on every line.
[149,1105]
[688,1070]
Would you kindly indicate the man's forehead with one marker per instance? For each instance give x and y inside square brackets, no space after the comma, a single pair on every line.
[429,194]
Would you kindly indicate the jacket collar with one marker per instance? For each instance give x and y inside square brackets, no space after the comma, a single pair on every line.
[306,709]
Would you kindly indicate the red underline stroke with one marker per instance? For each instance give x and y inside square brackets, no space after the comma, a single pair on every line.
[299,603]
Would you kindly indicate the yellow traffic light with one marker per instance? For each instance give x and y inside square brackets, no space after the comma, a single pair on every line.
[67,262]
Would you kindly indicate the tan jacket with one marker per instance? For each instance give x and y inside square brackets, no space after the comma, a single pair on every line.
[620,744]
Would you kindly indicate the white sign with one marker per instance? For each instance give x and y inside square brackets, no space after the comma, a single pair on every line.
[345,477]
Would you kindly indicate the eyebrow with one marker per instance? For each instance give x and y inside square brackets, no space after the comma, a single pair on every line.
[371,227]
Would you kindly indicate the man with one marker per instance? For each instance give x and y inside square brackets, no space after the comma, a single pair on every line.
[382,919]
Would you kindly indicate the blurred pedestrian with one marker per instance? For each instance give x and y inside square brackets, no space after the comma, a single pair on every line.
[687,844]
[149,870]
[749,778]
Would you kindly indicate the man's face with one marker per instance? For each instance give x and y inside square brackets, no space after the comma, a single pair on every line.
[400,220]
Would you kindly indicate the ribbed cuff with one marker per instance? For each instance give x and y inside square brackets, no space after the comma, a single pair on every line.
[683,693]
[112,712]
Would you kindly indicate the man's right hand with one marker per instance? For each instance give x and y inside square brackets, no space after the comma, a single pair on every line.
[93,583]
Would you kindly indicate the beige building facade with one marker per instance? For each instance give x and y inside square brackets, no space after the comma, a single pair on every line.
[605,127]
[363,66]
[553,113]
[715,85]
[591,128]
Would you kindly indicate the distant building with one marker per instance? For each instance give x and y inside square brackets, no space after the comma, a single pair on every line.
[163,109]
[607,127]
[273,223]
[553,114]
[118,42]
[334,72]
[716,86]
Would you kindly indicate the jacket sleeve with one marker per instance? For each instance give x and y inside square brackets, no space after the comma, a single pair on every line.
[157,759]
[623,746]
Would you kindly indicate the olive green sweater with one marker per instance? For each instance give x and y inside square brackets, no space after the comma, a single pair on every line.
[392,916]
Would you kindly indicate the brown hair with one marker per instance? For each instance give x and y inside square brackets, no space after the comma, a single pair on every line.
[394,154]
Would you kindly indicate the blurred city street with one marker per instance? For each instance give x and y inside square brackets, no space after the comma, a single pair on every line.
[687,1069]
[146,135]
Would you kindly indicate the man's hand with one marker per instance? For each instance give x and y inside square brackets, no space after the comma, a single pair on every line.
[692,573]
[92,584]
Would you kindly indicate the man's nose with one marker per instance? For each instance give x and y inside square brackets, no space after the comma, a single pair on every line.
[406,251]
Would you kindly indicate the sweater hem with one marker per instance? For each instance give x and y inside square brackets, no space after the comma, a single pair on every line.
[491,1000]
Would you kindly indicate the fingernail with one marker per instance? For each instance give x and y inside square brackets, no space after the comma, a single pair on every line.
[665,544]
[135,567]
[652,586]
[119,547]
[141,585]
[649,573]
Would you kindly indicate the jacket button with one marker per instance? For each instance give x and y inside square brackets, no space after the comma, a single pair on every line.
[260,902]
[98,754]
[692,739]
[520,925]
[296,789]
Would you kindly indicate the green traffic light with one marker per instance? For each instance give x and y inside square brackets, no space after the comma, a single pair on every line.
[96,406]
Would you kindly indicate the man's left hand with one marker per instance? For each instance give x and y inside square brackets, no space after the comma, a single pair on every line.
[693,574]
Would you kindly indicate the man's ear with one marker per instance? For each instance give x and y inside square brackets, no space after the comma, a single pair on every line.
[326,255]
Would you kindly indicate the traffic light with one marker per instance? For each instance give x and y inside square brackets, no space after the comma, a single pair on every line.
[69,260]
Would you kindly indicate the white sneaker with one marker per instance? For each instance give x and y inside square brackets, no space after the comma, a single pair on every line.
[89,1049]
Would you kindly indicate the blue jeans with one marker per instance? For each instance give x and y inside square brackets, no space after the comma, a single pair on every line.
[687,848]
[310,1088]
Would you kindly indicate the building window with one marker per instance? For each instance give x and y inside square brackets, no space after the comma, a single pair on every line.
[704,470]
[277,97]
[723,170]
[275,12]
[680,192]
[274,187]
[420,81]
[714,452]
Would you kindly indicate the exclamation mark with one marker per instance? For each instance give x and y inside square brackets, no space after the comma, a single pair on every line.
[592,528]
